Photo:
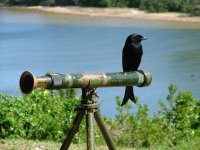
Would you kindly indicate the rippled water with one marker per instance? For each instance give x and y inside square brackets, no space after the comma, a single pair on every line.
[42,42]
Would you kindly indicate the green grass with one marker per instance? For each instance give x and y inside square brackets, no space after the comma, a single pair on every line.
[190,144]
[22,144]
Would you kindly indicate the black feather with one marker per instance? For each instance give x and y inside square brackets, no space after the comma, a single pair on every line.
[131,58]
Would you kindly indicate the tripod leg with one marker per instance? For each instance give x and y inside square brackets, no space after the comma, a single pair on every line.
[73,130]
[110,143]
[90,130]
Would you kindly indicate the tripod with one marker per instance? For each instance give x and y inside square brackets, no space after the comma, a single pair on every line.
[88,107]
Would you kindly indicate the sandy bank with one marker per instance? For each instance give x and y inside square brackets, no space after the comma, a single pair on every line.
[119,12]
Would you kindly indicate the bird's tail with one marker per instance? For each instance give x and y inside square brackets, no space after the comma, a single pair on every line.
[128,95]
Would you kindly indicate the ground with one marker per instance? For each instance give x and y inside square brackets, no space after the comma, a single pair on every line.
[22,144]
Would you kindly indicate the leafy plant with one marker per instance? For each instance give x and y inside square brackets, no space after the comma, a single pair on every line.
[137,129]
[180,120]
[40,115]
[183,116]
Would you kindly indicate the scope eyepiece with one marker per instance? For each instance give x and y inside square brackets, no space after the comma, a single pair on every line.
[26,82]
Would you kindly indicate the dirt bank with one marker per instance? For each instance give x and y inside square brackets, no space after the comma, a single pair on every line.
[119,12]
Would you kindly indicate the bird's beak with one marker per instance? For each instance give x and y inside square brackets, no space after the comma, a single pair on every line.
[144,38]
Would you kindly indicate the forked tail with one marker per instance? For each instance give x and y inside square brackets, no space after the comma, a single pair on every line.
[128,95]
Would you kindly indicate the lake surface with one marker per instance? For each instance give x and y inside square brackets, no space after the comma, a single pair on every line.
[42,42]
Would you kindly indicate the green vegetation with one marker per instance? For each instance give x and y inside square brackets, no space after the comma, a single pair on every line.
[40,115]
[180,121]
[188,6]
[47,115]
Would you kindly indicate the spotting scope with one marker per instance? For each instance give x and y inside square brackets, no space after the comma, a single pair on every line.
[29,82]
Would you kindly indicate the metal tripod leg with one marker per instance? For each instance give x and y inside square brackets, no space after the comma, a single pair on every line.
[89,107]
[110,143]
[90,130]
[73,130]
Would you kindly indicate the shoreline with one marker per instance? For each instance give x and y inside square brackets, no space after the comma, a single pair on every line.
[118,13]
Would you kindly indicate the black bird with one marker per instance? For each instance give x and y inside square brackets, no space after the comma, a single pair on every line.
[131,58]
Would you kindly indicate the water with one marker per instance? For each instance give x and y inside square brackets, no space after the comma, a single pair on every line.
[42,42]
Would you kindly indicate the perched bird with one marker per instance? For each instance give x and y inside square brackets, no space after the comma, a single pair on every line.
[131,58]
